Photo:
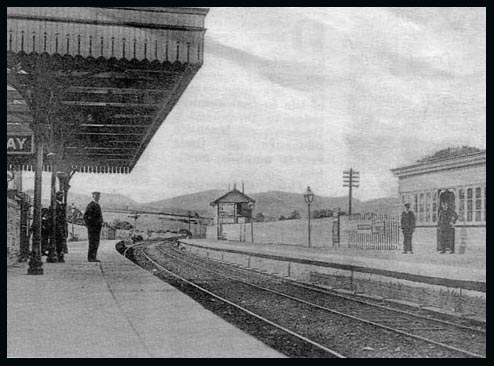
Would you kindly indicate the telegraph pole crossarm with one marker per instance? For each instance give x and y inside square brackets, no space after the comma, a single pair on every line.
[351,179]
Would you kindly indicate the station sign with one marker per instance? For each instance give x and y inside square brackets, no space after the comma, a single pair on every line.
[378,227]
[20,143]
[364,228]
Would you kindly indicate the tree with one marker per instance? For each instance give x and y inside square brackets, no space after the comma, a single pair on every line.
[282,218]
[259,217]
[295,215]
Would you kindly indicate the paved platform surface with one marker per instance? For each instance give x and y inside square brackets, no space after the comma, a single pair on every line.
[113,309]
[450,266]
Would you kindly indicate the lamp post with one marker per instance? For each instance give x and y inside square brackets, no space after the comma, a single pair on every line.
[72,210]
[135,216]
[251,206]
[308,197]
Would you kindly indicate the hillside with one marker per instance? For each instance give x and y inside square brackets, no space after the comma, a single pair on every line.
[197,202]
[272,204]
[108,200]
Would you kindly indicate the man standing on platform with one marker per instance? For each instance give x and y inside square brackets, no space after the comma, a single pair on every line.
[60,227]
[93,218]
[446,218]
[408,227]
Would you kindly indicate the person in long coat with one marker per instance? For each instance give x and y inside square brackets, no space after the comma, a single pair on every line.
[408,227]
[60,227]
[93,218]
[446,218]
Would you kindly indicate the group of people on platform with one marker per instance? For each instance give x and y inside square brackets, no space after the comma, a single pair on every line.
[58,226]
[93,219]
[446,218]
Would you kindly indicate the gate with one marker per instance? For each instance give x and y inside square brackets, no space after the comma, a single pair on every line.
[374,232]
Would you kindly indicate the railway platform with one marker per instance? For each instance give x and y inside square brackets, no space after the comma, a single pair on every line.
[462,267]
[451,285]
[113,309]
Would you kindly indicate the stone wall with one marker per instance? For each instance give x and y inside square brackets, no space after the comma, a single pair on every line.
[13,231]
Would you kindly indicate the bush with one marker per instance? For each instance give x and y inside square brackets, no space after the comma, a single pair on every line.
[259,217]
[295,215]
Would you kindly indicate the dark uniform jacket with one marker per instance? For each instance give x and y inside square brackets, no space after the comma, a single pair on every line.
[407,221]
[60,219]
[93,218]
[446,218]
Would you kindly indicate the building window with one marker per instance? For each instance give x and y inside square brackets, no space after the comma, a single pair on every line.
[405,198]
[478,204]
[415,203]
[428,207]
[461,205]
[469,204]
[421,207]
[434,207]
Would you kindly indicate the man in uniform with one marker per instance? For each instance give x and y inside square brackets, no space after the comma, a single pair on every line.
[408,227]
[93,218]
[60,227]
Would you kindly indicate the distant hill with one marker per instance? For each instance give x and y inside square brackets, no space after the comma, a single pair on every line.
[108,200]
[197,202]
[272,204]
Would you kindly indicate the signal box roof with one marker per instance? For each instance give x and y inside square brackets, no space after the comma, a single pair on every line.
[233,196]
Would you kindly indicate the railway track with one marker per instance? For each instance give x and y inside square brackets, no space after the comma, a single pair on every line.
[405,334]
[309,347]
[443,333]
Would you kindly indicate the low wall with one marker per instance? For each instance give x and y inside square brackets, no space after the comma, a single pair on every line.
[280,232]
[294,232]
[13,230]
[80,232]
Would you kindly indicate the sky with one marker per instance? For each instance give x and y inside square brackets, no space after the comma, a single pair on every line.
[291,97]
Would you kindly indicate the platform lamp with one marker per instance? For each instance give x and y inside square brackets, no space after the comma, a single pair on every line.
[135,216]
[309,198]
[73,211]
[251,206]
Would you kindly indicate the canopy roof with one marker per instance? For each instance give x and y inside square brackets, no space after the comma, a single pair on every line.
[112,75]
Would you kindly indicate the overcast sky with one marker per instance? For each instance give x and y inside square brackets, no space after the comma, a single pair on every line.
[290,97]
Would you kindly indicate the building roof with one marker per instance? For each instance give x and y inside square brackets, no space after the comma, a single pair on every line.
[432,165]
[233,196]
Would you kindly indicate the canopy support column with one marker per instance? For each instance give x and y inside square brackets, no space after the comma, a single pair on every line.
[52,256]
[35,263]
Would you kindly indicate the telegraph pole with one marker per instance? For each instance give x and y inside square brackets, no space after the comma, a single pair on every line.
[351,179]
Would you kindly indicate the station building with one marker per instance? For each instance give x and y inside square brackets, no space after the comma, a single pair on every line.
[456,175]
